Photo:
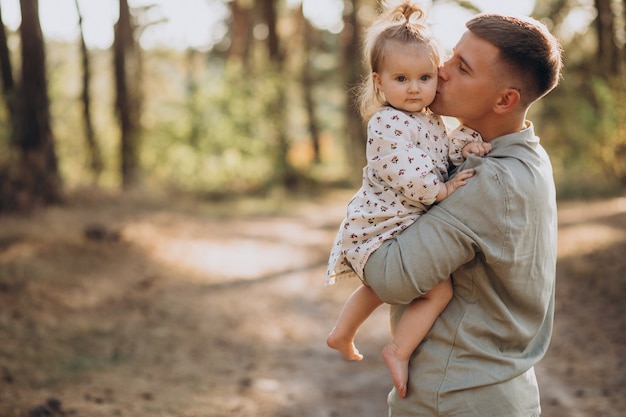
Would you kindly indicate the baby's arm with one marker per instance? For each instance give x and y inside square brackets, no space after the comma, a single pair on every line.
[464,141]
[448,187]
[476,148]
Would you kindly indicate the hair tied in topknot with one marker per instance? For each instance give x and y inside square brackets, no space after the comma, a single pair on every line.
[403,11]
[411,12]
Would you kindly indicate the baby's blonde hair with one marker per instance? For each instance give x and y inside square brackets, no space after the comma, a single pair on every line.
[400,21]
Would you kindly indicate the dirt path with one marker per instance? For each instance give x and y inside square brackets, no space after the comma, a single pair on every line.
[174,308]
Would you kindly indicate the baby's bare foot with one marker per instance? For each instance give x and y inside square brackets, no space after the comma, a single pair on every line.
[345,345]
[399,368]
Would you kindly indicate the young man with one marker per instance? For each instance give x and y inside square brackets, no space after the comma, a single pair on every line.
[496,236]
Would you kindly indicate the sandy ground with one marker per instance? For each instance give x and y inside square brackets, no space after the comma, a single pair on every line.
[129,306]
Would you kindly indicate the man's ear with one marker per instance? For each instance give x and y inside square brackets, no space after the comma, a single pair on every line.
[508,101]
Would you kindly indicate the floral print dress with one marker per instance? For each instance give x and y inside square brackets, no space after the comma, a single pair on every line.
[408,155]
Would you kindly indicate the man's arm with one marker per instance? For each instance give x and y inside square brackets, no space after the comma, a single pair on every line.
[410,265]
[440,241]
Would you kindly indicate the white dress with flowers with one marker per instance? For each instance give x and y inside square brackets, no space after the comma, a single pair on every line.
[408,155]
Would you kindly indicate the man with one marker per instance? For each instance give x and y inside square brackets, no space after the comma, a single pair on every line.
[496,236]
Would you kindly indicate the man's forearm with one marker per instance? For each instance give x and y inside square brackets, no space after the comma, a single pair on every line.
[420,257]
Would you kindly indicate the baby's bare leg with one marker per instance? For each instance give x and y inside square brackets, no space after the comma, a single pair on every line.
[413,326]
[360,305]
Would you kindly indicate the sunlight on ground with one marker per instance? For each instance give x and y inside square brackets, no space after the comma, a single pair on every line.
[219,254]
[16,252]
[586,239]
[215,260]
[216,253]
[216,313]
[577,238]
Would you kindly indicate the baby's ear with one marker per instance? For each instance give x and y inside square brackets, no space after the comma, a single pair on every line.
[376,78]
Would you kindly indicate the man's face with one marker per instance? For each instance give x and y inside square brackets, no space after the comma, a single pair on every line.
[469,83]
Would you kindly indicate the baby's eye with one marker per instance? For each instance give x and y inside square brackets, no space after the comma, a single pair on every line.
[425,77]
[401,78]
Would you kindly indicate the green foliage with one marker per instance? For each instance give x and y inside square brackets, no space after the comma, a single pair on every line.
[64,86]
[611,96]
[582,125]
[208,125]
[218,137]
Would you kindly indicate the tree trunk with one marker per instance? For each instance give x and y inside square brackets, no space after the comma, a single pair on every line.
[278,110]
[193,98]
[127,103]
[608,50]
[95,158]
[268,9]
[623,44]
[8,83]
[34,180]
[307,86]
[241,33]
[351,41]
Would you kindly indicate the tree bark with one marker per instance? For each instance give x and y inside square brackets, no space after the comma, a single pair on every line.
[127,103]
[351,41]
[35,181]
[193,98]
[308,82]
[95,157]
[623,45]
[278,110]
[608,51]
[8,82]
[268,9]
[241,33]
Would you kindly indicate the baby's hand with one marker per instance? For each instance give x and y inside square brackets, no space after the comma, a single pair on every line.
[450,186]
[476,148]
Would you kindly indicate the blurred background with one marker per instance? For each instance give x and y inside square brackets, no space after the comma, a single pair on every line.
[172,176]
[238,97]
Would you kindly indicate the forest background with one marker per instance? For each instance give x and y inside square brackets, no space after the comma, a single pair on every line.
[265,102]
[167,206]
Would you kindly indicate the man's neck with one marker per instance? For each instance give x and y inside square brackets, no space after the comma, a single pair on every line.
[490,129]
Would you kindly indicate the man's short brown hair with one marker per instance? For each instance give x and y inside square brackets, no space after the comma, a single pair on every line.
[527,50]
